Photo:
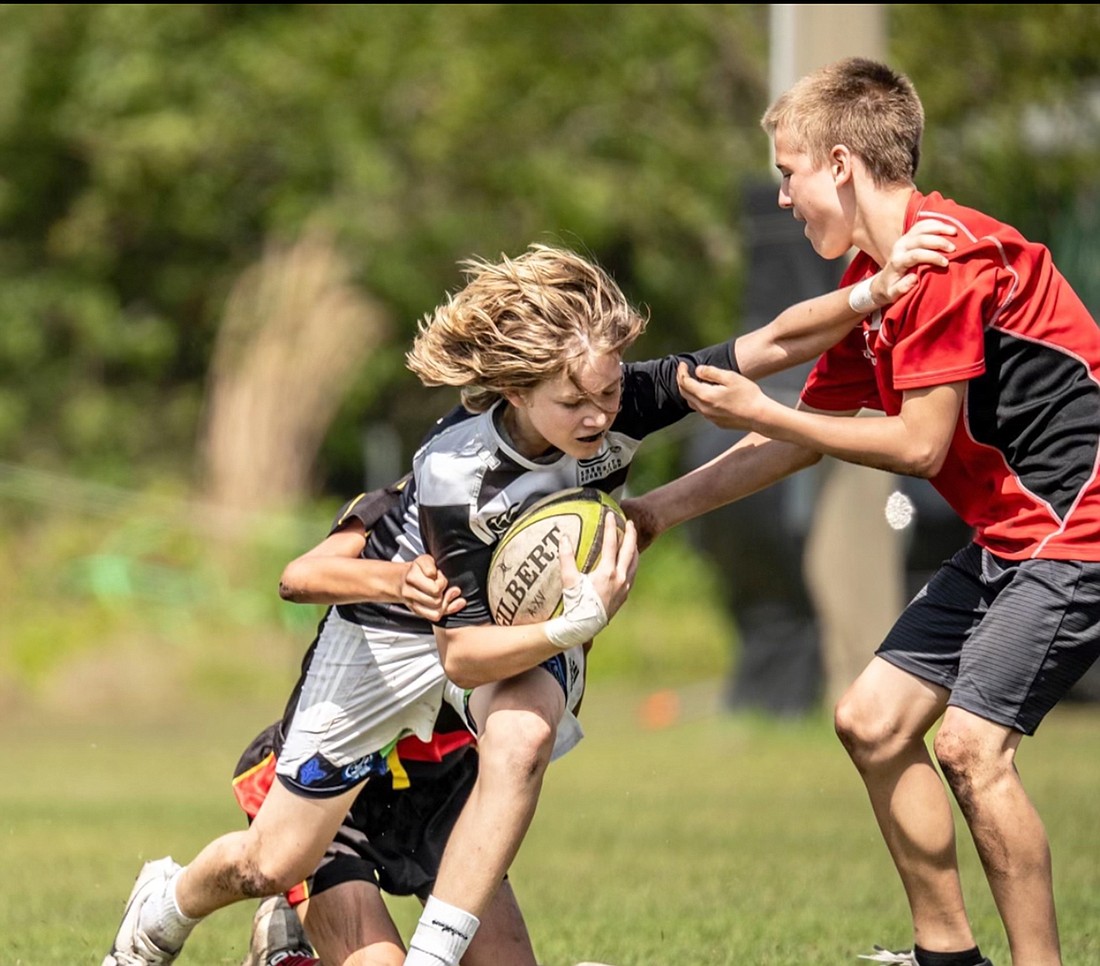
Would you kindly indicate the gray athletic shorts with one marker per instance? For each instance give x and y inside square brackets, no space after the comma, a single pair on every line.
[1007,638]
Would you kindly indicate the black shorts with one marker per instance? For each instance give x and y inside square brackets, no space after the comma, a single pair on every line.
[393,836]
[1007,638]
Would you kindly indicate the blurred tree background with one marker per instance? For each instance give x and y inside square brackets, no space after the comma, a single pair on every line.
[221,223]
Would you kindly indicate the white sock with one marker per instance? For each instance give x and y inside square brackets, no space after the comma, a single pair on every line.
[162,921]
[442,935]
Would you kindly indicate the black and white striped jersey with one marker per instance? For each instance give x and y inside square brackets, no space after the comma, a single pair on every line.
[469,484]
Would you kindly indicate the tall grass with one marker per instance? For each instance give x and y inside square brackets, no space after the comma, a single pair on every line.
[711,841]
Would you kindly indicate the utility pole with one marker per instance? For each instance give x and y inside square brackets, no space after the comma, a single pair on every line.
[817,576]
[854,563]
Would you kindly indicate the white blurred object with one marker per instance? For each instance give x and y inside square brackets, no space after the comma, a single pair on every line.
[900,511]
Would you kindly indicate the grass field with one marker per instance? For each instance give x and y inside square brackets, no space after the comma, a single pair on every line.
[714,841]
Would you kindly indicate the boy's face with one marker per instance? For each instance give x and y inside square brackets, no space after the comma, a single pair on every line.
[571,412]
[811,193]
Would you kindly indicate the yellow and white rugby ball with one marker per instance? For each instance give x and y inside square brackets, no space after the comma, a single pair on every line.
[524,584]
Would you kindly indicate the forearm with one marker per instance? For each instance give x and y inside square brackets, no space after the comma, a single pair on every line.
[803,331]
[492,652]
[342,580]
[881,442]
[748,466]
[797,335]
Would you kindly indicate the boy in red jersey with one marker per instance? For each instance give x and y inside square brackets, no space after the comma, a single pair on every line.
[987,375]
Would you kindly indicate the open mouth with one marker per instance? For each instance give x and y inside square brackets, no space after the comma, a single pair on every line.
[594,438]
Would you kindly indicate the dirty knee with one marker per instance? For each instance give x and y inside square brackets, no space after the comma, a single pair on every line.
[958,758]
[255,883]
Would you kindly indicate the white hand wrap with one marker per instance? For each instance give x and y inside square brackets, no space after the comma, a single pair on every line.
[582,617]
[860,299]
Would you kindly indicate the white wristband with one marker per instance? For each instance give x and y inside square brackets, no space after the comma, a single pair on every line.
[860,299]
[582,617]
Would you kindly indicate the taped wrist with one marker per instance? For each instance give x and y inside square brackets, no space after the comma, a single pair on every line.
[582,617]
[860,299]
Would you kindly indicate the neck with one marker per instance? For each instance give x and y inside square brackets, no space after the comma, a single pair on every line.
[523,441]
[881,222]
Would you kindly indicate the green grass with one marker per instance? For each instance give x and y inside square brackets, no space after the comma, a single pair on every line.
[717,840]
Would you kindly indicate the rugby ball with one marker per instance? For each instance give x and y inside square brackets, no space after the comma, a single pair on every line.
[524,584]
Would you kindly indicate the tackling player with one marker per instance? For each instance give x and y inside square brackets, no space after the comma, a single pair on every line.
[987,375]
[393,834]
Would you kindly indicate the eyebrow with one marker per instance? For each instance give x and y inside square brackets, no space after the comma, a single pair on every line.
[579,393]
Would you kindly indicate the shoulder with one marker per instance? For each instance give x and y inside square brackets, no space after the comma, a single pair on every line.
[453,438]
[450,463]
[977,230]
[368,508]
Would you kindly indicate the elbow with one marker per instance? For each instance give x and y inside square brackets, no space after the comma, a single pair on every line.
[289,593]
[291,587]
[925,463]
[459,665]
[462,673]
[806,459]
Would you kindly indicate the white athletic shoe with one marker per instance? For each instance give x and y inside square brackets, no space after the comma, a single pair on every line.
[131,946]
[278,938]
[903,957]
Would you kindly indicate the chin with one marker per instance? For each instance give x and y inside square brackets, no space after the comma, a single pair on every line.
[583,449]
[826,252]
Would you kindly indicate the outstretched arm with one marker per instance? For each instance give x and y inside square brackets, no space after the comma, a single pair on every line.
[797,335]
[913,443]
[753,463]
[805,330]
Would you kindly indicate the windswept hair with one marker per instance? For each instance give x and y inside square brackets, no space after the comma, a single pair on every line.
[519,322]
[863,104]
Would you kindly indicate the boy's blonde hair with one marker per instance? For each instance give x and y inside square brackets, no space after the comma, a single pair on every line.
[863,104]
[521,321]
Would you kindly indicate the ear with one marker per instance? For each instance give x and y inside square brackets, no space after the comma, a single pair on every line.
[514,399]
[840,164]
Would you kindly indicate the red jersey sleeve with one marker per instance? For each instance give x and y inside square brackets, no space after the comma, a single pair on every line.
[936,334]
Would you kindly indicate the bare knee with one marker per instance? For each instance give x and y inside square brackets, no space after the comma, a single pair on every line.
[965,766]
[515,745]
[259,872]
[851,728]
[870,738]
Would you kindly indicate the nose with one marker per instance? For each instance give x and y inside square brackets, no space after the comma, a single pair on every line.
[598,418]
[784,198]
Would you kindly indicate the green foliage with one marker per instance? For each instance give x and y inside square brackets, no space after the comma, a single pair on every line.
[149,586]
[151,150]
[1010,96]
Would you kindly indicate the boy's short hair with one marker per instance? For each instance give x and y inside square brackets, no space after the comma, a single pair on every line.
[520,321]
[861,103]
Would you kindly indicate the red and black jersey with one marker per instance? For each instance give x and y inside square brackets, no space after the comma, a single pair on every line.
[1022,468]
